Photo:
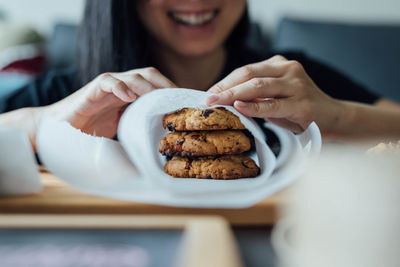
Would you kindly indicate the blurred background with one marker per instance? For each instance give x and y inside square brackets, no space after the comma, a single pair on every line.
[361,38]
[358,37]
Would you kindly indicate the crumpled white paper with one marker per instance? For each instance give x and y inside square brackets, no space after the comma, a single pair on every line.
[140,131]
[133,169]
[19,173]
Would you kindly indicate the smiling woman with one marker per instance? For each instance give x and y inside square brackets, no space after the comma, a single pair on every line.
[129,48]
[193,32]
[172,36]
[191,28]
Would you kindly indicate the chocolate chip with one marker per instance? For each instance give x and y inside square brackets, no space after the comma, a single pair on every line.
[188,164]
[244,164]
[180,142]
[170,126]
[195,137]
[178,145]
[206,113]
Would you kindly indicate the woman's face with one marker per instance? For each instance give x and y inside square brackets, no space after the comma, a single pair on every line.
[190,27]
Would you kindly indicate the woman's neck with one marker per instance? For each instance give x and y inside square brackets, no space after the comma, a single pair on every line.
[192,72]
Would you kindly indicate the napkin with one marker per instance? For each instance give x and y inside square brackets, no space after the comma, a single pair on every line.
[141,129]
[133,169]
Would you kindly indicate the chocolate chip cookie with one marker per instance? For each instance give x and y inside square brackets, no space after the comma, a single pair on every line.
[196,119]
[223,167]
[204,143]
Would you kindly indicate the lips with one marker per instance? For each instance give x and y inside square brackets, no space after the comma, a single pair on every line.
[193,19]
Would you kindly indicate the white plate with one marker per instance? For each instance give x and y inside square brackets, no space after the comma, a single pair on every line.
[103,167]
[291,169]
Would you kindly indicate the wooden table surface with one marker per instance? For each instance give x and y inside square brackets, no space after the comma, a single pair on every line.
[58,198]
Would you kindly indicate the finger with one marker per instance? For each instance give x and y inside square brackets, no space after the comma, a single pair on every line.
[252,89]
[138,84]
[272,108]
[110,84]
[276,59]
[257,100]
[155,77]
[266,68]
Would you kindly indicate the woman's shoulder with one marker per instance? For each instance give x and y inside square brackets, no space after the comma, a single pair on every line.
[46,89]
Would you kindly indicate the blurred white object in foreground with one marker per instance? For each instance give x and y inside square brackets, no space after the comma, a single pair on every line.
[382,148]
[19,173]
[345,213]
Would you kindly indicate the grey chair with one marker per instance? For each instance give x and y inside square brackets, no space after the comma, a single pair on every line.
[369,54]
[62,46]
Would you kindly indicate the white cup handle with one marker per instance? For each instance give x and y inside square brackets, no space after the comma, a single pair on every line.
[279,237]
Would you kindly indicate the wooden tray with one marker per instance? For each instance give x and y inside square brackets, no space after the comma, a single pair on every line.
[58,198]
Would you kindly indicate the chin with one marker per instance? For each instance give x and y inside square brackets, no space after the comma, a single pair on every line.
[195,50]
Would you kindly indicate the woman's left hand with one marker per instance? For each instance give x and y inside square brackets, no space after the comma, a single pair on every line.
[279,90]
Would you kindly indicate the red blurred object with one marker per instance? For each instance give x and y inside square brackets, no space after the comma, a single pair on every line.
[28,66]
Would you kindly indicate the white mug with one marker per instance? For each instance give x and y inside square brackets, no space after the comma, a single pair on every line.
[344,212]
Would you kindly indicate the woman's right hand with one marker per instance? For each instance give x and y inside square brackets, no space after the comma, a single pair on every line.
[97,107]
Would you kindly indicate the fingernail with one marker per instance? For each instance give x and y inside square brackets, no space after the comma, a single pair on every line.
[241,104]
[131,94]
[212,99]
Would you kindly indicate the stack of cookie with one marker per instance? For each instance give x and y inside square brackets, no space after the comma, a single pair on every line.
[206,143]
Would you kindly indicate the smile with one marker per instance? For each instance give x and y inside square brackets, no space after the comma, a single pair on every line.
[193,19]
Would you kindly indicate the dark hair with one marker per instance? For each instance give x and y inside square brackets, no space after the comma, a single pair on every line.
[112,39]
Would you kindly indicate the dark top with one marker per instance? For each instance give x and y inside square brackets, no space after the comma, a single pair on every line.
[56,85]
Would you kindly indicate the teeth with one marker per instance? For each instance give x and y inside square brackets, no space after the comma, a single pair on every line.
[193,19]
